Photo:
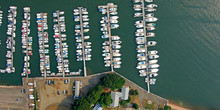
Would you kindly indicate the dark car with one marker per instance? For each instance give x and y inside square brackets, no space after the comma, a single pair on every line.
[66,92]
[58,92]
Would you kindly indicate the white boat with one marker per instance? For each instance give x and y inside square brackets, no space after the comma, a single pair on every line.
[143,74]
[150,34]
[116,59]
[139,22]
[105,43]
[149,1]
[141,66]
[113,13]
[114,17]
[116,46]
[106,54]
[150,28]
[136,1]
[151,19]
[151,24]
[153,66]
[107,61]
[151,43]
[107,58]
[149,15]
[105,47]
[107,65]
[116,63]
[142,71]
[103,29]
[137,14]
[141,59]
[139,26]
[142,63]
[141,55]
[153,52]
[106,50]
[140,30]
[153,56]
[116,54]
[153,75]
[117,66]
[113,26]
[153,70]
[115,37]
[151,5]
[137,8]
[116,42]
[152,61]
[114,21]
[139,34]
[141,50]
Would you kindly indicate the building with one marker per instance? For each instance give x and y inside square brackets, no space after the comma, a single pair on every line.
[77,89]
[125,92]
[115,97]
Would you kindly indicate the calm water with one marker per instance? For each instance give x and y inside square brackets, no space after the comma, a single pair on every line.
[188,44]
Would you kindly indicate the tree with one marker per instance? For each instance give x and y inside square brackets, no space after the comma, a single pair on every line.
[106,99]
[133,92]
[94,94]
[112,81]
[135,106]
[167,107]
[81,104]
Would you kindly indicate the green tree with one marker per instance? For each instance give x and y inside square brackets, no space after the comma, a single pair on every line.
[106,99]
[112,81]
[167,107]
[94,94]
[133,92]
[135,106]
[82,104]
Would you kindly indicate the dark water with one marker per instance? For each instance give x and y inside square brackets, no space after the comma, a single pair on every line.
[188,39]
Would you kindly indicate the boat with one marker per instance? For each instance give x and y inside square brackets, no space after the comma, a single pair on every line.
[143,74]
[141,55]
[138,14]
[139,34]
[153,52]
[149,1]
[116,46]
[116,42]
[153,66]
[150,28]
[140,26]
[152,61]
[116,59]
[117,66]
[140,30]
[142,71]
[151,5]
[115,37]
[141,58]
[150,34]
[153,75]
[142,63]
[116,63]
[105,43]
[113,13]
[114,17]
[139,22]
[153,56]
[151,19]
[153,70]
[116,54]
[149,15]
[141,66]
[106,54]
[114,26]
[151,43]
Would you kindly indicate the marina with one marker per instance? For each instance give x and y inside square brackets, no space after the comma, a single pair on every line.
[61,47]
[43,41]
[110,47]
[26,41]
[12,13]
[83,48]
[147,58]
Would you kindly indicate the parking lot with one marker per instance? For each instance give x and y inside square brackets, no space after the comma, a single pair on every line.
[11,98]
[54,94]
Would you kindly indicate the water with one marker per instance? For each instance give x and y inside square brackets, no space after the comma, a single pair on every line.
[188,43]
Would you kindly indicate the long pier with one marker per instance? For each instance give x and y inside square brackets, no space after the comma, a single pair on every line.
[26,39]
[146,49]
[110,38]
[43,37]
[82,38]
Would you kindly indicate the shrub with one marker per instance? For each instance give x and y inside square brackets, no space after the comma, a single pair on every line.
[135,106]
[112,81]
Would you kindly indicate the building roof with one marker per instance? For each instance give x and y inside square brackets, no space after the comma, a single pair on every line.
[125,92]
[115,97]
[77,86]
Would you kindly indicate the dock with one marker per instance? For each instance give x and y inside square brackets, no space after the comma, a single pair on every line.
[61,49]
[108,10]
[25,40]
[84,47]
[146,49]
[43,39]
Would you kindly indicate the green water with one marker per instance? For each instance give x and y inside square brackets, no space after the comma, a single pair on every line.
[188,43]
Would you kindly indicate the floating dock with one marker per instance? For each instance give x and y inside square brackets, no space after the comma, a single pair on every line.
[84,52]
[109,52]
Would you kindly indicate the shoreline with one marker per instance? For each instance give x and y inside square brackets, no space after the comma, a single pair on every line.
[175,106]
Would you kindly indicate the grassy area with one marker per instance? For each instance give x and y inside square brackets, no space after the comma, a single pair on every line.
[146,105]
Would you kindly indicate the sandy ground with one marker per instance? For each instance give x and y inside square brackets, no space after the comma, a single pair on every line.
[11,98]
[176,107]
